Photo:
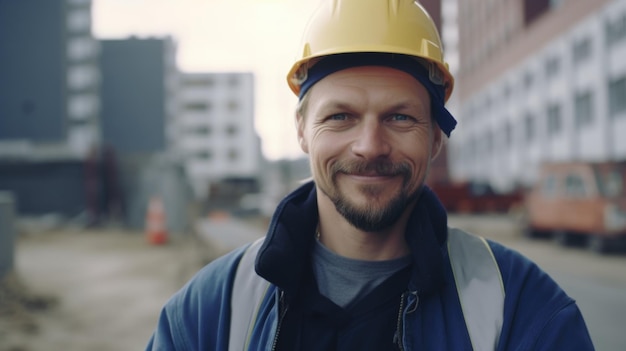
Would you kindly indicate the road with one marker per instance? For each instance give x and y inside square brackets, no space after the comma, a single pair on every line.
[111,285]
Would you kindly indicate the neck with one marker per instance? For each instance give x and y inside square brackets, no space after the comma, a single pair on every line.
[341,237]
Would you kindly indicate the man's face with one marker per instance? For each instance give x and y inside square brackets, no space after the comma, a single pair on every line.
[370,137]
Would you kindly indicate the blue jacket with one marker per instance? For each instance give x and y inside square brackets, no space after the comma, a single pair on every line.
[538,315]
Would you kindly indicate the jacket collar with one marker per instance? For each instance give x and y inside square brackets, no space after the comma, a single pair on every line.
[284,257]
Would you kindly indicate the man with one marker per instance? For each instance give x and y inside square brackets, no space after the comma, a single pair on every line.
[362,258]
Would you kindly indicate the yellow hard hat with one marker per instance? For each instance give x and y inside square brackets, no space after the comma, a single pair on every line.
[376,26]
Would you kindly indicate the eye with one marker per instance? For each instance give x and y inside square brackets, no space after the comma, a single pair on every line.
[338,117]
[401,118]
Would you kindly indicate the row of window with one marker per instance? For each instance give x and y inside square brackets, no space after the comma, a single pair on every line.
[583,116]
[206,106]
[208,155]
[583,106]
[231,130]
[615,30]
[232,81]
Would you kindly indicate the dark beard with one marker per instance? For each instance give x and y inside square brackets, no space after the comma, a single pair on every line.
[371,219]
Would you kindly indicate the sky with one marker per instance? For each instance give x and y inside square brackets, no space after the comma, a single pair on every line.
[259,36]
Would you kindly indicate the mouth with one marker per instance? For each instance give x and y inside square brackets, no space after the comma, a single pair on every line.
[370,177]
[371,172]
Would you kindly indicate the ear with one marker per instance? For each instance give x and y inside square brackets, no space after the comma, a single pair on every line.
[437,144]
[300,124]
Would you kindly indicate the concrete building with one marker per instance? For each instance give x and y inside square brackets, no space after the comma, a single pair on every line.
[139,94]
[140,84]
[538,81]
[217,138]
[49,102]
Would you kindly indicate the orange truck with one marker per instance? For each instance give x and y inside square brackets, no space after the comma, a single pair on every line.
[579,203]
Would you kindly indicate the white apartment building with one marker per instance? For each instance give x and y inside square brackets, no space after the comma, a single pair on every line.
[217,138]
[564,101]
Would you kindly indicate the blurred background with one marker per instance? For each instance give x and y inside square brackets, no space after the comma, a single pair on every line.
[172,121]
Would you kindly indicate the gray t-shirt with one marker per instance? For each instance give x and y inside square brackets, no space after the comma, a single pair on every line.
[344,280]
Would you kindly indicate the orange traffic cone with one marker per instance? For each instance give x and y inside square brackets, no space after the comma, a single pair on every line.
[156,230]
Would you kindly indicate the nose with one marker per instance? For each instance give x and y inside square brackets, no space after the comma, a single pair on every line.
[371,141]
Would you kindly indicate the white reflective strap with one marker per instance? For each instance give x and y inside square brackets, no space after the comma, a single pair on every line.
[480,288]
[248,292]
[476,274]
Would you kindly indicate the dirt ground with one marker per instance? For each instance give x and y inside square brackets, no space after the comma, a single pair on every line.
[91,290]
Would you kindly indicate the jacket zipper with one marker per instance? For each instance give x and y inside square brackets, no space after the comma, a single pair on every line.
[398,336]
[282,308]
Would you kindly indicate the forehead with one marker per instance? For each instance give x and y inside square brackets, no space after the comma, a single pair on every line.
[368,80]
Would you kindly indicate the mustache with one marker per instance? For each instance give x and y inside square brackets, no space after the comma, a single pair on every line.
[378,167]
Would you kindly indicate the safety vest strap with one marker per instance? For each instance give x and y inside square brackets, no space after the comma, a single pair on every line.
[479,286]
[476,274]
[248,292]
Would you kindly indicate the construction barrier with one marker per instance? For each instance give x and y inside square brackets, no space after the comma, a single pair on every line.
[156,225]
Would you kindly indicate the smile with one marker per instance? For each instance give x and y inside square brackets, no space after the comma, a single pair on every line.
[371,178]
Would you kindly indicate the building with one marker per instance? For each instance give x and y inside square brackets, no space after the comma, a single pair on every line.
[538,81]
[49,102]
[139,94]
[217,138]
[139,89]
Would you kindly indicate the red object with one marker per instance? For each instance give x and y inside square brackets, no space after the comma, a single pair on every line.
[156,228]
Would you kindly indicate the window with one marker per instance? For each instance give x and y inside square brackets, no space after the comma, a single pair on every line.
[507,135]
[528,80]
[581,50]
[488,143]
[575,186]
[79,20]
[198,106]
[583,109]
[203,130]
[233,81]
[554,119]
[549,186]
[233,105]
[529,127]
[81,76]
[552,67]
[81,48]
[231,130]
[233,154]
[615,31]
[201,82]
[617,96]
[472,148]
[204,155]
[612,183]
[82,106]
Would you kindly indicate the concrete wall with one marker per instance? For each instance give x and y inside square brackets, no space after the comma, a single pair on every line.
[143,177]
[7,233]
[45,187]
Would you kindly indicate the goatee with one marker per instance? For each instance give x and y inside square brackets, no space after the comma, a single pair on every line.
[372,218]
